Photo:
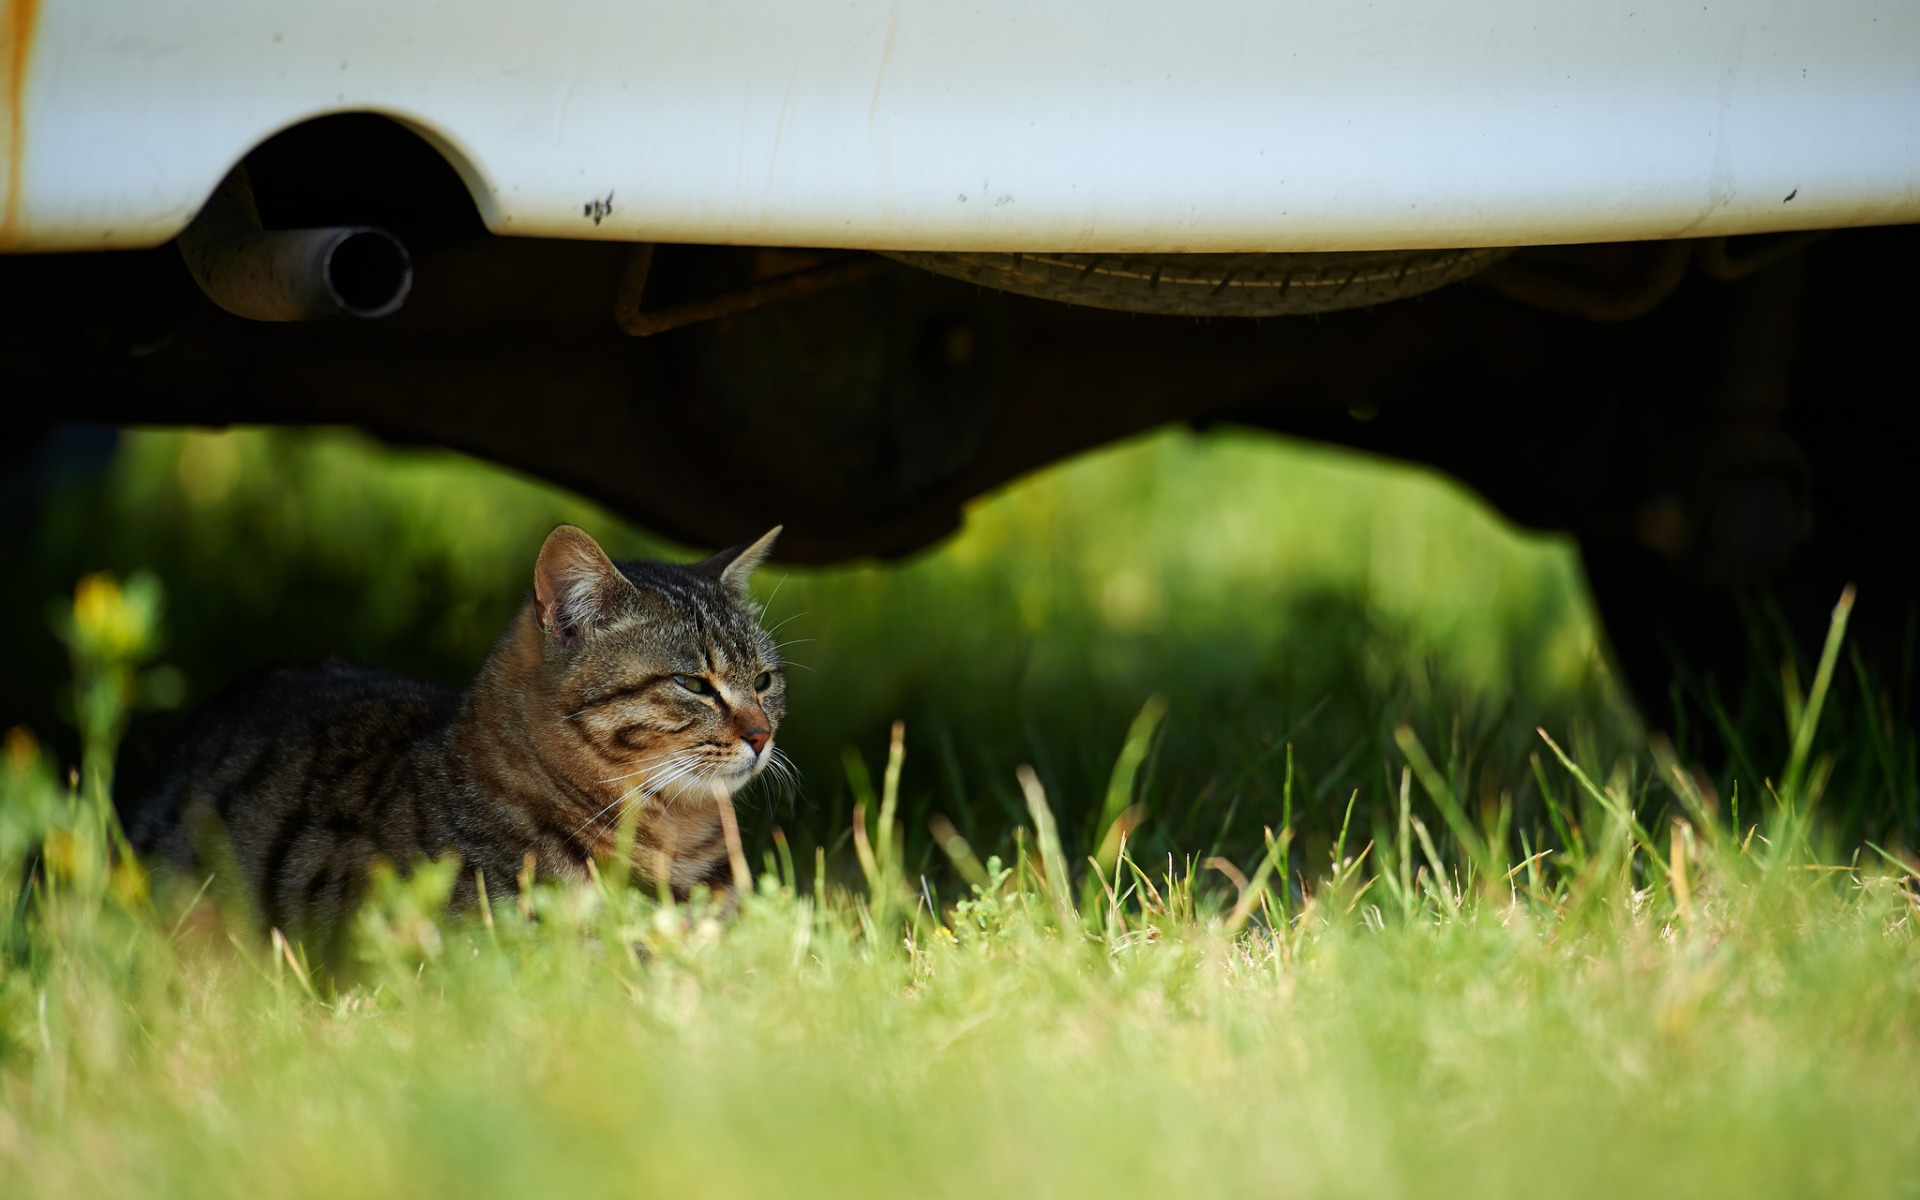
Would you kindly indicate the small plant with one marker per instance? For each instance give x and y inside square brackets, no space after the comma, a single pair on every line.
[991,910]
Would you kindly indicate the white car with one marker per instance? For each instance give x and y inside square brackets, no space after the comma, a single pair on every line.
[687,195]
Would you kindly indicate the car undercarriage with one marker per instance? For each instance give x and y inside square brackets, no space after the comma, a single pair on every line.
[1711,418]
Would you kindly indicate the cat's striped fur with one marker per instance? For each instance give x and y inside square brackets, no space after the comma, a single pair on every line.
[640,683]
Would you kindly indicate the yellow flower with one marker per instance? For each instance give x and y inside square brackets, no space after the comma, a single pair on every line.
[105,619]
[96,600]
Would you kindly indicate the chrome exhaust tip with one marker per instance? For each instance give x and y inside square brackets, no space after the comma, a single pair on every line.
[291,274]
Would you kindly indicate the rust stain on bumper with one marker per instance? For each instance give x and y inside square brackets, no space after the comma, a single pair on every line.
[17,20]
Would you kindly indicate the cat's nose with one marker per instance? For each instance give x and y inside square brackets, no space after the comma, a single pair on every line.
[757,738]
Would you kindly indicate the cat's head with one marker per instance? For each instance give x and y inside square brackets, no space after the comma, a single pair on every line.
[661,670]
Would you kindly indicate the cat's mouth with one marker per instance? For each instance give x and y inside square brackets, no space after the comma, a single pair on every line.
[749,767]
[740,771]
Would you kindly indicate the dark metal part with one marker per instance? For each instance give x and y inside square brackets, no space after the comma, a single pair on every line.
[291,274]
[1730,259]
[796,285]
[1609,282]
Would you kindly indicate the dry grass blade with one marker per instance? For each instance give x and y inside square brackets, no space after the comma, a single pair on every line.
[730,830]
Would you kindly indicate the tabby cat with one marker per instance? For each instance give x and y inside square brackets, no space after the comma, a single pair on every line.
[636,683]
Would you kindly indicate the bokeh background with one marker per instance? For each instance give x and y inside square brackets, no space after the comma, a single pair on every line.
[1287,601]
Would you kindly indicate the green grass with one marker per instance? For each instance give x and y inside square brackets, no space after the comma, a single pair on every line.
[1457,963]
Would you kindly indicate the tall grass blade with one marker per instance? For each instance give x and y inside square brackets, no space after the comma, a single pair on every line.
[1053,859]
[1440,790]
[1126,769]
[1792,780]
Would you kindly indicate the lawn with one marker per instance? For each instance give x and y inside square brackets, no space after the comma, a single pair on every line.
[1337,866]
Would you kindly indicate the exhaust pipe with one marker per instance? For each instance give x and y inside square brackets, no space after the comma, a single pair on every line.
[291,274]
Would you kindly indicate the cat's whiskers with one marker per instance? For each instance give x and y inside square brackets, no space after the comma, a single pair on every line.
[603,812]
[779,762]
[646,764]
[775,594]
[700,784]
[785,622]
[659,786]
[696,785]
[674,764]
[687,773]
[780,775]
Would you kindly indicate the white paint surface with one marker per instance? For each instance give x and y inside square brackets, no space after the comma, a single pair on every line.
[1177,125]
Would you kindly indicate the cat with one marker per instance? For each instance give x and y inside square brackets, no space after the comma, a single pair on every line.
[637,683]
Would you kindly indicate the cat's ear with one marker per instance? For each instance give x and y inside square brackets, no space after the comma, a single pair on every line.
[734,567]
[576,587]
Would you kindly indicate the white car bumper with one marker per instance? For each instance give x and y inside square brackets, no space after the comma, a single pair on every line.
[1126,125]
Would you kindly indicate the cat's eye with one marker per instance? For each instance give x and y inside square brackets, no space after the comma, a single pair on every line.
[763,681]
[694,684]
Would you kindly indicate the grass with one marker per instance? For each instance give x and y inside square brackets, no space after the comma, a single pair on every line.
[1366,932]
